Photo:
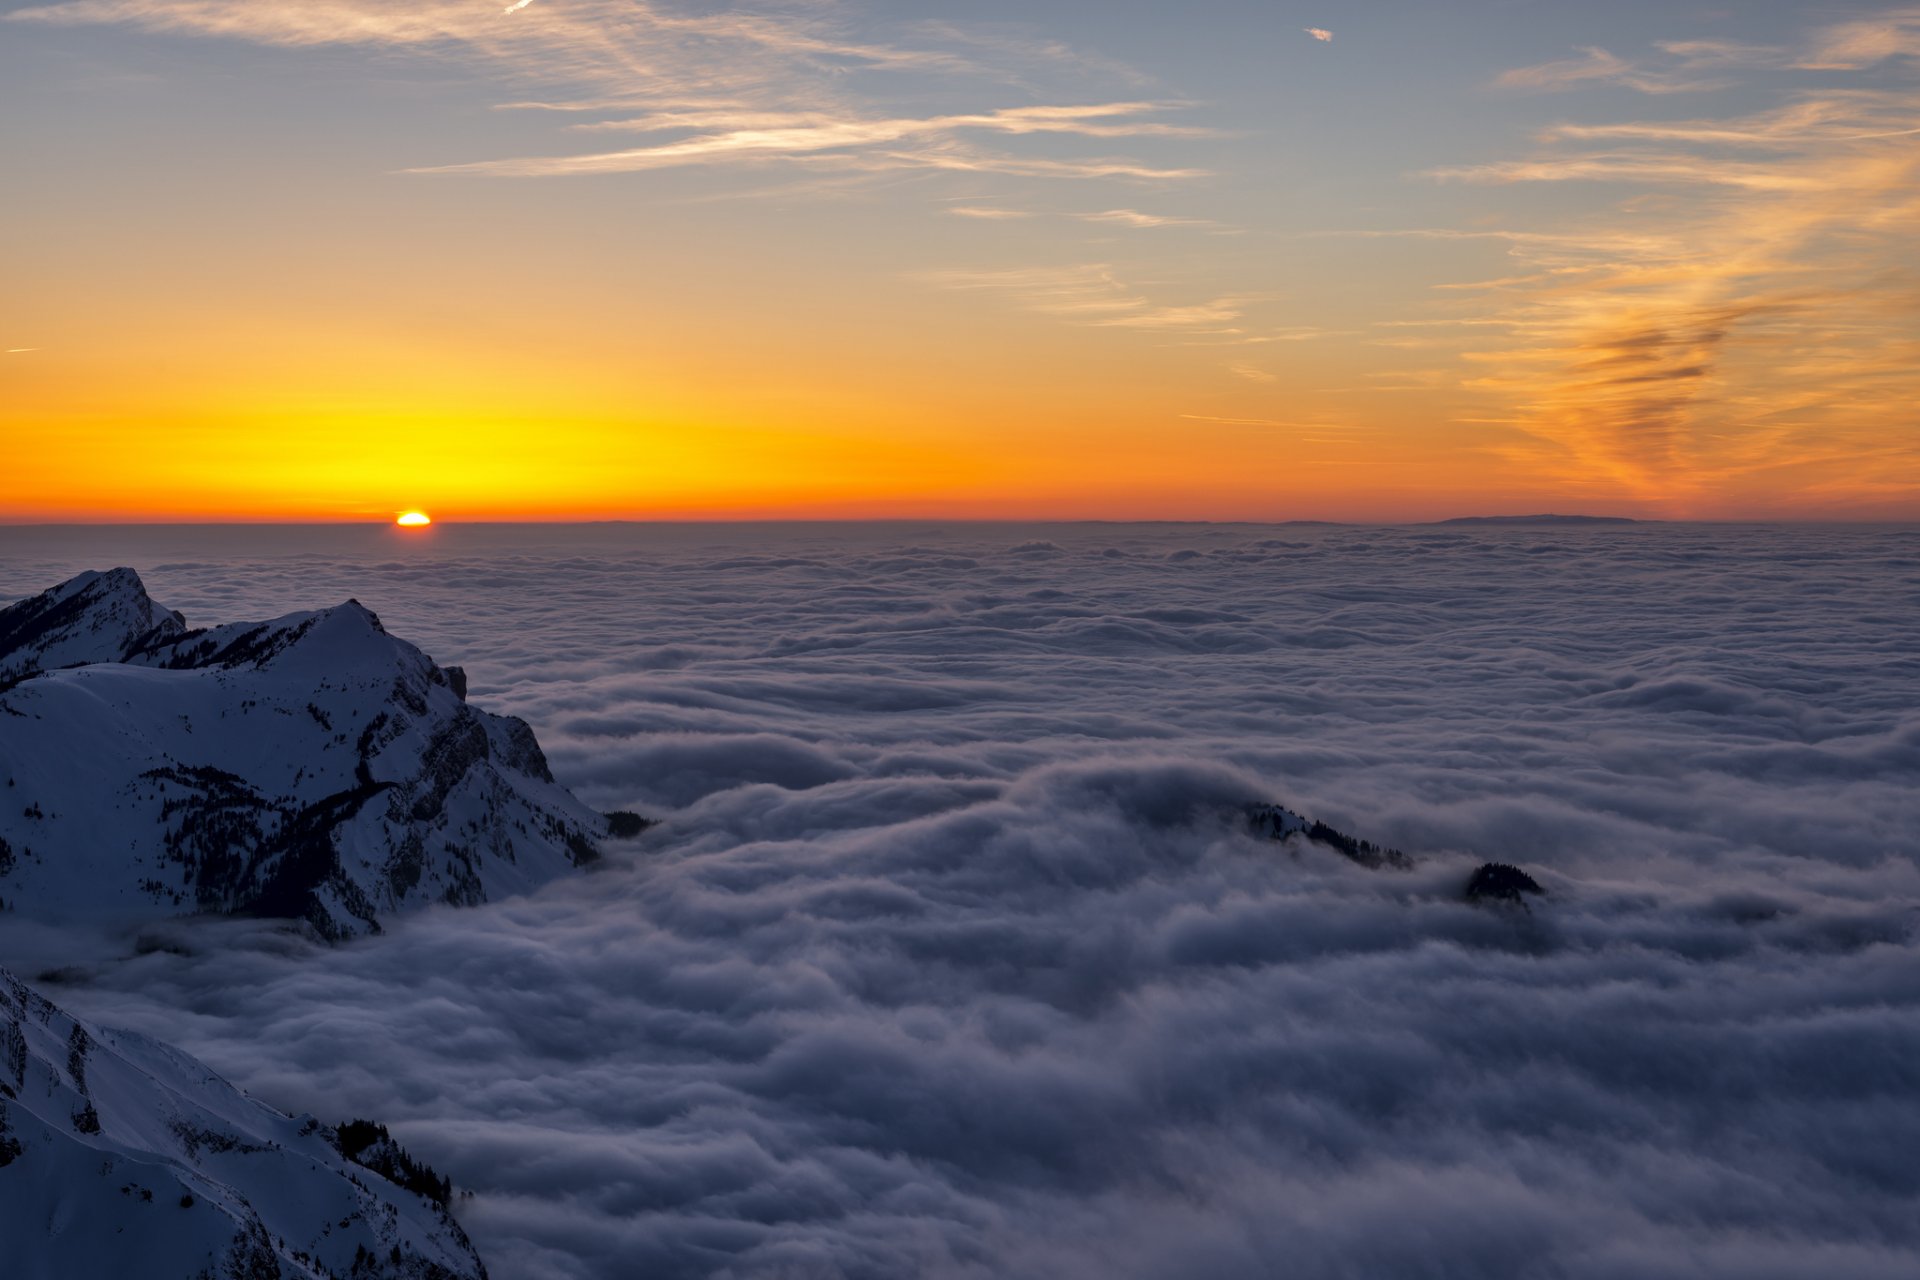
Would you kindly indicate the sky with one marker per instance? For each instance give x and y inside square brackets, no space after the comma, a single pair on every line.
[592,259]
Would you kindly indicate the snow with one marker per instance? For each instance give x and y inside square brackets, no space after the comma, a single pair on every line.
[310,767]
[120,1156]
[92,617]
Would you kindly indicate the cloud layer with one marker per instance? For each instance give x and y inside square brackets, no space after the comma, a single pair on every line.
[950,958]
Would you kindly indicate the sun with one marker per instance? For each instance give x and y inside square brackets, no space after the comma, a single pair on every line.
[414,520]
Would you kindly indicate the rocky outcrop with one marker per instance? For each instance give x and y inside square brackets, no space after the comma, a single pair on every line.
[311,767]
[1277,822]
[1500,882]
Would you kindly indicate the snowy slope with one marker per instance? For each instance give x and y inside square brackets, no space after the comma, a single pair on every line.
[311,767]
[96,617]
[120,1156]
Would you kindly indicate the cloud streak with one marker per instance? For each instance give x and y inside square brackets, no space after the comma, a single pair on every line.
[1597,66]
[745,88]
[1094,294]
[907,143]
[1752,321]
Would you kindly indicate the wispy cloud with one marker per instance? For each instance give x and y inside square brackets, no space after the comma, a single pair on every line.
[740,88]
[1632,166]
[1094,294]
[988,214]
[1679,66]
[1597,66]
[1143,221]
[1092,120]
[1321,34]
[1757,316]
[935,142]
[610,41]
[1866,42]
[1827,118]
[1130,218]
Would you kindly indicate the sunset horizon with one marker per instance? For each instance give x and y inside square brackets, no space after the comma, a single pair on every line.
[897,639]
[587,259]
[1514,517]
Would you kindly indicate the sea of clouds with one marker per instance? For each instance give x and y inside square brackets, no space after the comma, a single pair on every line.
[953,957]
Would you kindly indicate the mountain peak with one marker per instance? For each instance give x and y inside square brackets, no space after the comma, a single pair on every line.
[97,616]
[310,767]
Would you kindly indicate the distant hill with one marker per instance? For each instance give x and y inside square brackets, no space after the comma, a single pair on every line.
[1540,520]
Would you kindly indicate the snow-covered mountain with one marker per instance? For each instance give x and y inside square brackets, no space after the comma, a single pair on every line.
[96,617]
[311,767]
[120,1156]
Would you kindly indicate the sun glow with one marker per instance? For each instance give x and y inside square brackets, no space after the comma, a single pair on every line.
[414,520]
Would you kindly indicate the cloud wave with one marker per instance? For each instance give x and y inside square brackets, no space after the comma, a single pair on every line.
[951,957]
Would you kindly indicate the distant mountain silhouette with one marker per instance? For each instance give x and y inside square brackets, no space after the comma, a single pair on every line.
[1543,519]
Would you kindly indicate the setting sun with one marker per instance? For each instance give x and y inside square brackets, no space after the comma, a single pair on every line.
[414,520]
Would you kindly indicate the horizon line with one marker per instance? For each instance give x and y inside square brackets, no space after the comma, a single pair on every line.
[1571,519]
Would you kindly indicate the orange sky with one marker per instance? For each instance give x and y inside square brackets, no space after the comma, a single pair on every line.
[302,260]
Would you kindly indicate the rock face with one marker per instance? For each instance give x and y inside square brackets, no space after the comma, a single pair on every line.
[1277,822]
[312,767]
[1500,882]
[96,617]
[120,1156]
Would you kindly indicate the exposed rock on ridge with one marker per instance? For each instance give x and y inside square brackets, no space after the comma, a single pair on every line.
[311,767]
[95,617]
[1277,822]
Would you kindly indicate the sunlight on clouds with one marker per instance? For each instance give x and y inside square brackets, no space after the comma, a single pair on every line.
[1697,303]
[1867,42]
[1134,218]
[1092,294]
[1598,66]
[883,143]
[1758,334]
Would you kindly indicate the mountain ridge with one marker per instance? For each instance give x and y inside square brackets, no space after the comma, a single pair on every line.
[310,767]
[1539,520]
